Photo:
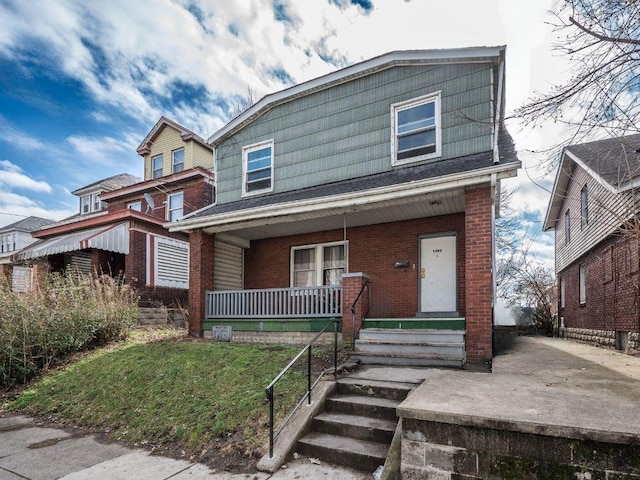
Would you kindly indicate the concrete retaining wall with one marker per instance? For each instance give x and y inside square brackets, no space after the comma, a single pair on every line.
[625,341]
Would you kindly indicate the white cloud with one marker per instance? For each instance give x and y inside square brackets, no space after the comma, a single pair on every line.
[12,176]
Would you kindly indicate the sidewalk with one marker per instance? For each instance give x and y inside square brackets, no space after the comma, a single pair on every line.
[30,451]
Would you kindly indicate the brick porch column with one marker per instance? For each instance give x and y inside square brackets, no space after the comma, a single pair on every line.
[201,261]
[478,276]
[352,283]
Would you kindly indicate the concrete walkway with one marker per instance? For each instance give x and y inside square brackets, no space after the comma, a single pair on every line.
[34,452]
[540,382]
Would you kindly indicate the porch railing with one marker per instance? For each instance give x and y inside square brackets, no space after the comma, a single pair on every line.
[304,302]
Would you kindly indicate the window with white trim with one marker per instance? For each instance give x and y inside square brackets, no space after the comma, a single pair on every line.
[156,167]
[257,167]
[96,204]
[177,160]
[90,203]
[320,264]
[85,204]
[582,274]
[415,132]
[167,262]
[8,243]
[175,203]
[584,207]
[135,206]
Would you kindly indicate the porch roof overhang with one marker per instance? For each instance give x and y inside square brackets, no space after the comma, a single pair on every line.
[426,197]
[114,238]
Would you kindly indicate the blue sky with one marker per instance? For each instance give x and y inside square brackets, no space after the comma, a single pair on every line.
[82,82]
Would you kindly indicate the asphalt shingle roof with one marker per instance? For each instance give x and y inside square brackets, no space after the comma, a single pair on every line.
[113,183]
[29,224]
[396,176]
[616,160]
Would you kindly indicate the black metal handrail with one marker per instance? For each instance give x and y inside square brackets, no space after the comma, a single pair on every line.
[353,309]
[307,395]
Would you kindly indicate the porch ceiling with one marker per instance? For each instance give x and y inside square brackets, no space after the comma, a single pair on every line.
[419,206]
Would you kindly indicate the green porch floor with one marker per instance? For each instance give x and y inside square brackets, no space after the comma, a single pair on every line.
[272,324]
[416,323]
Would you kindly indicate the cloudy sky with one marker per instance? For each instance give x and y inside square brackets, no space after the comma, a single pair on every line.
[82,82]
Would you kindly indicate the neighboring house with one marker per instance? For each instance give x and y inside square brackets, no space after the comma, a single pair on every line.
[119,229]
[593,212]
[15,237]
[379,178]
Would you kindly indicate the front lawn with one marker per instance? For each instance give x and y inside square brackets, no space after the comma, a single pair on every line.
[188,398]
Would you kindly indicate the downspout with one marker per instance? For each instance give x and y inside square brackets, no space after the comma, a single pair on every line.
[494,191]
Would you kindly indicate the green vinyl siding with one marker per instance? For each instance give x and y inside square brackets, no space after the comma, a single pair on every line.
[344,131]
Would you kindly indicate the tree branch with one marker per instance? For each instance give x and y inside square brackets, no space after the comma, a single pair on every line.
[604,38]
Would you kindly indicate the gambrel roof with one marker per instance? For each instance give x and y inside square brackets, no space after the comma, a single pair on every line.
[613,162]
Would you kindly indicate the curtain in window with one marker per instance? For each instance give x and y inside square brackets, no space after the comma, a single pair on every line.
[333,265]
[304,267]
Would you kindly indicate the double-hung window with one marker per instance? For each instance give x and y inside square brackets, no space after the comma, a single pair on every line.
[95,202]
[321,264]
[257,162]
[175,203]
[415,133]
[156,167]
[584,207]
[85,204]
[177,160]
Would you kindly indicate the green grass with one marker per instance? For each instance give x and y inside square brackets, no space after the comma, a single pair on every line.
[173,391]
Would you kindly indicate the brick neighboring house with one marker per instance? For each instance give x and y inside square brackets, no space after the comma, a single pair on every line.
[380,178]
[593,212]
[13,238]
[119,229]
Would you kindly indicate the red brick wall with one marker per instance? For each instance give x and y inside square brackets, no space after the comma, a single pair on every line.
[611,288]
[372,250]
[136,267]
[201,260]
[479,291]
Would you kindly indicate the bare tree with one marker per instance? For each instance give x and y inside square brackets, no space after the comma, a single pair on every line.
[601,39]
[242,103]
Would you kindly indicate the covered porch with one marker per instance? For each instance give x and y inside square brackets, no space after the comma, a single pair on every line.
[417,240]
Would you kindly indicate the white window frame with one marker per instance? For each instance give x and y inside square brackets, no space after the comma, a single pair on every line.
[434,97]
[137,206]
[162,273]
[245,154]
[96,204]
[319,258]
[584,207]
[153,169]
[582,279]
[173,160]
[563,291]
[85,201]
[170,196]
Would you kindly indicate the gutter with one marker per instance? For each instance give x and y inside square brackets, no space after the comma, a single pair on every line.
[351,199]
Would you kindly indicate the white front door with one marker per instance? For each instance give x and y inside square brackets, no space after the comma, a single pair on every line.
[438,274]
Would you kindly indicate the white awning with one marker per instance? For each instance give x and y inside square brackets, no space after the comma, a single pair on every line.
[114,238]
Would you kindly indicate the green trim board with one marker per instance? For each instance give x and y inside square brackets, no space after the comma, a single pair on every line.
[416,323]
[272,325]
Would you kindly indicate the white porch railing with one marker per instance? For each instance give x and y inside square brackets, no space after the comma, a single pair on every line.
[307,302]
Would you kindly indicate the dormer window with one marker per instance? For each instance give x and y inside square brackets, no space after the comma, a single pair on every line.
[85,204]
[415,129]
[90,203]
[156,167]
[95,202]
[177,160]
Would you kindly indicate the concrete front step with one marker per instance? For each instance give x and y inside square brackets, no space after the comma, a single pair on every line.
[355,426]
[399,335]
[360,405]
[454,350]
[377,388]
[348,452]
[408,360]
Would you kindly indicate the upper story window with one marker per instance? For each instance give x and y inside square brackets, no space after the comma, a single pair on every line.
[257,166]
[175,203]
[8,243]
[135,206]
[156,167]
[177,160]
[416,129]
[584,207]
[567,228]
[321,264]
[90,203]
